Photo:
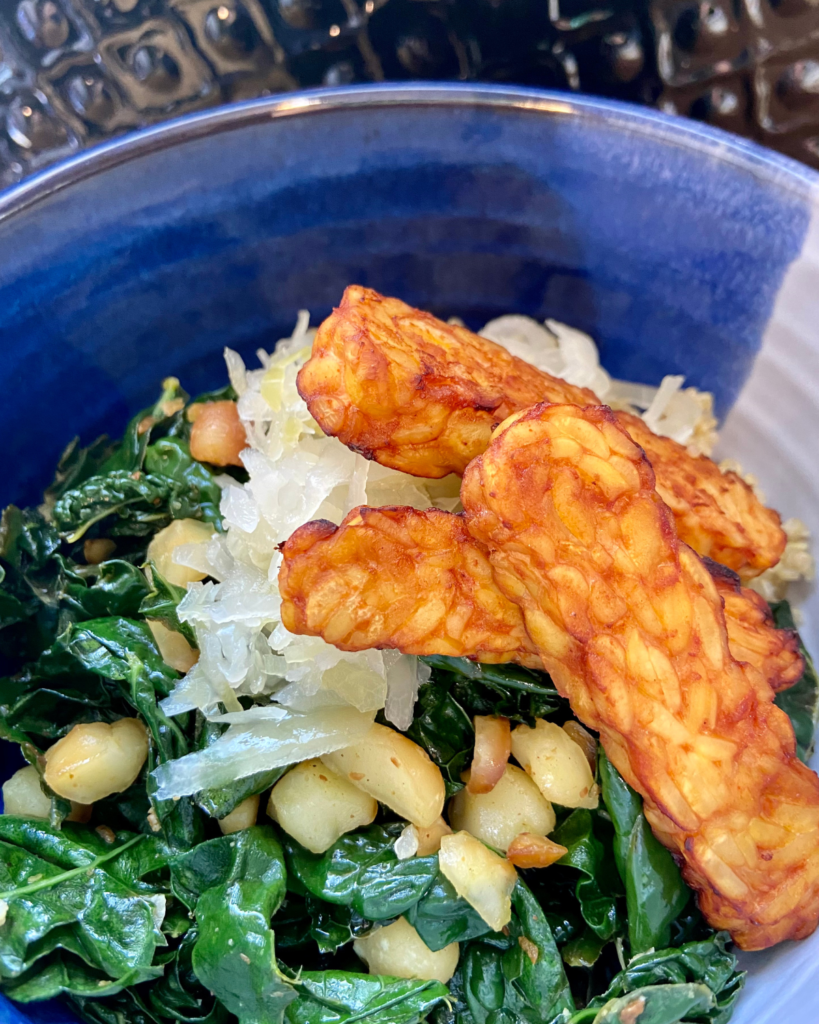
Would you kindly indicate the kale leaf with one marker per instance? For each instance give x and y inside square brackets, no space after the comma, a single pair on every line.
[174,486]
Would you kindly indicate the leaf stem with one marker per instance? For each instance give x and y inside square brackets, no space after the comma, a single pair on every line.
[47,883]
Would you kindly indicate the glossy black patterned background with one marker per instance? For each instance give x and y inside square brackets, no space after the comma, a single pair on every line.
[74,72]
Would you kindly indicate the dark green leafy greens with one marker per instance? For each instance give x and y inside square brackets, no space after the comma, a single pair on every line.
[148,915]
[458,690]
[63,892]
[138,503]
[598,887]
[675,975]
[362,871]
[655,891]
[442,916]
[161,603]
[327,997]
[516,978]
[234,886]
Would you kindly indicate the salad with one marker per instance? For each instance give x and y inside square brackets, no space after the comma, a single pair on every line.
[248,793]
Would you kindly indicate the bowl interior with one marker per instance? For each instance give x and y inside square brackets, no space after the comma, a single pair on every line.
[679,251]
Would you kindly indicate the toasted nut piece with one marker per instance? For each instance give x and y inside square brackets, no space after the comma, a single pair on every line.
[161,549]
[484,879]
[173,648]
[532,851]
[429,838]
[493,745]
[396,771]
[556,763]
[241,817]
[97,550]
[22,794]
[218,435]
[515,805]
[398,951]
[584,739]
[96,759]
[316,806]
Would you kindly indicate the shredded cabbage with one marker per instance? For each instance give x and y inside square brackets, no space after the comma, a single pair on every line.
[295,474]
[261,745]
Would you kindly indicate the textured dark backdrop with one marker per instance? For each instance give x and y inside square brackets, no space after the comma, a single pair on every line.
[74,72]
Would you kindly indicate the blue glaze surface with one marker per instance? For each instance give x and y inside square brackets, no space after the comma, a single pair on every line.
[666,241]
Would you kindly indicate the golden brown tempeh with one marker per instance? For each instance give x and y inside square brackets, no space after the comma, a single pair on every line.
[422,396]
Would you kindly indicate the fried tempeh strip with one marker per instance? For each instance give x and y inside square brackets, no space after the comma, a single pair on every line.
[396,577]
[416,581]
[752,633]
[422,396]
[630,626]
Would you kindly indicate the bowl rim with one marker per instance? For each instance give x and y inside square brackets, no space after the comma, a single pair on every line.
[749,156]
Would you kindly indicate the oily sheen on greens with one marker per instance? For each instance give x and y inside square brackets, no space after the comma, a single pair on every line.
[146,914]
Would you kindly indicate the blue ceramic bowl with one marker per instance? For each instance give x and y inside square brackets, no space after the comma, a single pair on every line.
[679,248]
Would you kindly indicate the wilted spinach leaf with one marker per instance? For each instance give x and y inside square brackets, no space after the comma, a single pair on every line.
[115,587]
[61,973]
[333,926]
[442,916]
[176,997]
[516,978]
[42,591]
[219,801]
[123,650]
[83,904]
[536,980]
[341,997]
[655,891]
[234,885]
[800,702]
[362,871]
[165,416]
[30,582]
[598,887]
[444,729]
